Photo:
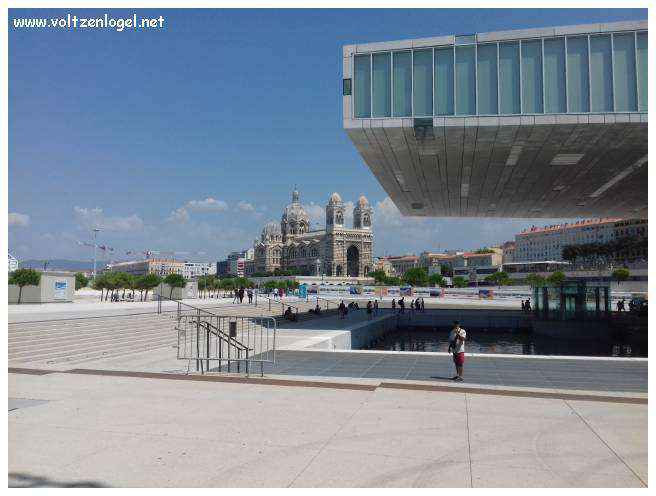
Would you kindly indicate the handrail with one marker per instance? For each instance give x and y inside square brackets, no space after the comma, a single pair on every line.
[326,300]
[198,309]
[225,337]
[278,302]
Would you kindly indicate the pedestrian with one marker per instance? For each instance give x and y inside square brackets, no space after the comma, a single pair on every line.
[423,305]
[241,295]
[412,305]
[393,304]
[250,296]
[523,306]
[370,309]
[341,310]
[375,307]
[402,305]
[235,299]
[457,339]
[528,305]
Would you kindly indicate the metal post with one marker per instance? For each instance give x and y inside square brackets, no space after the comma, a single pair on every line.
[197,338]
[207,349]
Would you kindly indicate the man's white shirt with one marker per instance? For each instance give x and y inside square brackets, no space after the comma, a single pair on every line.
[458,346]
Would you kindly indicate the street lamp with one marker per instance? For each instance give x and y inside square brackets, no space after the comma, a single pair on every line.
[94,235]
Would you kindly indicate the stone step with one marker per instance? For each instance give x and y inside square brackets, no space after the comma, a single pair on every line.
[86,340]
[111,347]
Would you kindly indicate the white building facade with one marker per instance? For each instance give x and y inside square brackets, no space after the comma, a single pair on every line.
[546,243]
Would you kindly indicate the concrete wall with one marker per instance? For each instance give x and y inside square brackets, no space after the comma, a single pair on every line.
[358,336]
[190,291]
[488,318]
[54,287]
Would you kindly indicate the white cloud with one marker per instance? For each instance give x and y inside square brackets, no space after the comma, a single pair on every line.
[19,220]
[245,206]
[207,205]
[94,217]
[316,213]
[387,215]
[178,216]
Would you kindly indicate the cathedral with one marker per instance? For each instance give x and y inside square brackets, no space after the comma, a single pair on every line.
[336,250]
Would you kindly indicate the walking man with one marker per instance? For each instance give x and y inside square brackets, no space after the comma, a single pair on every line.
[250,296]
[375,307]
[457,347]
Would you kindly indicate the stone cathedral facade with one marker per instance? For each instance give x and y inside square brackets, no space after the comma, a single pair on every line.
[336,250]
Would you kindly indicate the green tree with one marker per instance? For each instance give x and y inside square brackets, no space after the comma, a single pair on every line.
[24,277]
[498,278]
[535,280]
[175,281]
[202,286]
[133,284]
[149,282]
[124,282]
[100,283]
[621,274]
[113,281]
[212,284]
[392,281]
[81,281]
[436,280]
[378,275]
[460,282]
[557,278]
[417,276]
[484,250]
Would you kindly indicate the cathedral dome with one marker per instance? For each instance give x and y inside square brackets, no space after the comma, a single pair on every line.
[335,199]
[294,212]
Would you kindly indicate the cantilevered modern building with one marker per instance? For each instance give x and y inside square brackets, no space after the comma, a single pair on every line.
[548,122]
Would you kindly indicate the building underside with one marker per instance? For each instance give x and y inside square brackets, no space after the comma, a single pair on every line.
[521,167]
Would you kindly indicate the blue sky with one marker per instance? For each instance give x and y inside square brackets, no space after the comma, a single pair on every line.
[191,137]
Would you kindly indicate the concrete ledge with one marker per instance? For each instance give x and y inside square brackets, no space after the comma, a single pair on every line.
[372,385]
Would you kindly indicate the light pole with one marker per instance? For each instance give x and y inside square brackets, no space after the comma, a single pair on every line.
[94,234]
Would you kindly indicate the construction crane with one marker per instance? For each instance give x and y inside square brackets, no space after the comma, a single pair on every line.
[95,246]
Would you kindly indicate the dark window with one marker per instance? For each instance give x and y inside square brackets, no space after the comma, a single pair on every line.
[346,86]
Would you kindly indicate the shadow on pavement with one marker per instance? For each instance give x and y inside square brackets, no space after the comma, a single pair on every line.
[18,479]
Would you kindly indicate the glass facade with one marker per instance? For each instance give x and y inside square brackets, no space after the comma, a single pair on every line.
[402,84]
[509,95]
[422,67]
[382,85]
[578,69]
[444,78]
[569,74]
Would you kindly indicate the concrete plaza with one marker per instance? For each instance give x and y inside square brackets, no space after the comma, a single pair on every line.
[98,430]
[101,400]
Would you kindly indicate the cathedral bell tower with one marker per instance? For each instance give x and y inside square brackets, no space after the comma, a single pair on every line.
[362,214]
[334,212]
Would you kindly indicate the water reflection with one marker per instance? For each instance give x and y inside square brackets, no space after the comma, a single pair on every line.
[508,342]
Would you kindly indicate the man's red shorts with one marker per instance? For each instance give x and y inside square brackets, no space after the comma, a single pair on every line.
[459,359]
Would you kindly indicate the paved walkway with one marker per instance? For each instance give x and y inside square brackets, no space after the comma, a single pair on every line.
[589,374]
[94,430]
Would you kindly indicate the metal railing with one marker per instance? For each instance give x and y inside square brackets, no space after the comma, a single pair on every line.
[225,340]
[274,302]
[328,302]
[206,337]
